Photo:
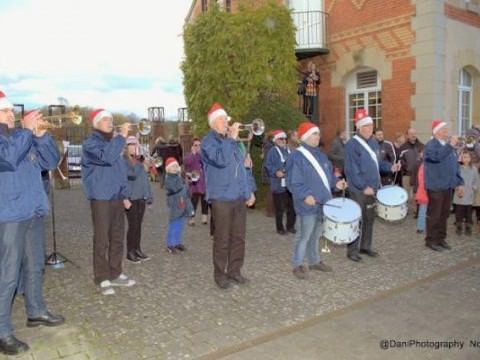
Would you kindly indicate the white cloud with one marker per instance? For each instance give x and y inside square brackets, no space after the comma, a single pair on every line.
[73,48]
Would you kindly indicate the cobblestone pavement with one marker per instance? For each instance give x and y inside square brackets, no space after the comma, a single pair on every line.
[176,312]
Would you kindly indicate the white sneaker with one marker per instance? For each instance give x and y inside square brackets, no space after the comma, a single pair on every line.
[106,288]
[123,280]
[204,219]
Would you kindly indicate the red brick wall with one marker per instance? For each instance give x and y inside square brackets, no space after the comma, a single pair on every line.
[360,24]
[464,16]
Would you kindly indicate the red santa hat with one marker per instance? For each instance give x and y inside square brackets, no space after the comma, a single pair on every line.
[437,125]
[97,115]
[278,134]
[4,103]
[306,128]
[215,111]
[171,161]
[362,118]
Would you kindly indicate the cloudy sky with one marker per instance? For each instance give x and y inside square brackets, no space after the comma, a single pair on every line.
[117,54]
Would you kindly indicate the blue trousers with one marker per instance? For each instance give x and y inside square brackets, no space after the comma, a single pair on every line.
[175,231]
[309,230]
[22,252]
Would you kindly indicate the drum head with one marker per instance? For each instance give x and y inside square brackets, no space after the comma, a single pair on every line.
[342,210]
[392,195]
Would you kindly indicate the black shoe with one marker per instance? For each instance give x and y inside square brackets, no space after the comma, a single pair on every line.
[141,255]
[419,231]
[281,232]
[444,245]
[223,283]
[180,247]
[293,231]
[239,279]
[371,253]
[355,257]
[10,345]
[434,247]
[47,320]
[133,257]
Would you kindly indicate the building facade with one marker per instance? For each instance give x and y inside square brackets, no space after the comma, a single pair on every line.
[406,61]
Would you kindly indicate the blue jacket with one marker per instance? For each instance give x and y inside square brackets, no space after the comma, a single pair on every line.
[226,177]
[360,169]
[104,172]
[273,164]
[138,185]
[303,180]
[22,158]
[442,171]
[178,202]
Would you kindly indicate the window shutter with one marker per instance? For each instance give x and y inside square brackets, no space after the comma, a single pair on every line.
[366,79]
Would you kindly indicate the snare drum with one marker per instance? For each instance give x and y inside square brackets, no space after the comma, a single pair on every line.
[341,223]
[392,203]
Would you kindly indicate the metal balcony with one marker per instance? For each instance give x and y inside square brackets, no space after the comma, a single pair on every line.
[311,34]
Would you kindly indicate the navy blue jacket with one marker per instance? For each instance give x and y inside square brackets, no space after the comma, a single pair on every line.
[273,164]
[138,185]
[442,171]
[360,169]
[104,172]
[303,180]
[22,158]
[178,202]
[226,177]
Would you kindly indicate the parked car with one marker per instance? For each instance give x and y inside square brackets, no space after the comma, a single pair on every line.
[74,158]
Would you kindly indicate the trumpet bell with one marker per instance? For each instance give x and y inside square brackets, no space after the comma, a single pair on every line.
[258,127]
[144,127]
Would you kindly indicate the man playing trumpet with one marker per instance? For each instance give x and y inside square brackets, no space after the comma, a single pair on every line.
[104,175]
[229,187]
[24,153]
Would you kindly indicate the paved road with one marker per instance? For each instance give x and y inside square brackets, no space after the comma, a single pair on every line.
[176,311]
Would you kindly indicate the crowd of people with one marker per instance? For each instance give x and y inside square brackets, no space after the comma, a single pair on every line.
[217,173]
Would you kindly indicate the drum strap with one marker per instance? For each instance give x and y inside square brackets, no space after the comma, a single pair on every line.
[282,159]
[366,147]
[311,159]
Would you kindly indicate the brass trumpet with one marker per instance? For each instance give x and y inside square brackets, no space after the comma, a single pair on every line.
[256,127]
[144,127]
[58,121]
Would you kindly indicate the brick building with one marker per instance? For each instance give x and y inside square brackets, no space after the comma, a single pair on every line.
[407,61]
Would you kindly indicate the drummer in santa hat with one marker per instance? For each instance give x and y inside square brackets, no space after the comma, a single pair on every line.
[310,179]
[275,162]
[363,166]
[442,176]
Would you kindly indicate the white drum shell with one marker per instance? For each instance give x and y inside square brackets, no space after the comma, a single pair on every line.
[341,225]
[392,203]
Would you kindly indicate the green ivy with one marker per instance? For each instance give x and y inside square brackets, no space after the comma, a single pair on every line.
[236,59]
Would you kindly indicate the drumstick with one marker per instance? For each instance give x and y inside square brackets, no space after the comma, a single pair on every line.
[325,204]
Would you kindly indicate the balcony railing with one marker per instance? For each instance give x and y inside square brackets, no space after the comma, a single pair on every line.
[311,34]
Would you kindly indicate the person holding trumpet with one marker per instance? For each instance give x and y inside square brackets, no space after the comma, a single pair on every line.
[229,187]
[104,175]
[363,166]
[310,179]
[442,178]
[24,153]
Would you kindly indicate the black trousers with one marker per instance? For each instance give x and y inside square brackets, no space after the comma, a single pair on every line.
[195,197]
[364,241]
[229,237]
[108,220]
[463,213]
[437,214]
[135,220]
[283,202]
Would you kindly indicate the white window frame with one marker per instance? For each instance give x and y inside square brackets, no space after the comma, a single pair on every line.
[351,88]
[464,89]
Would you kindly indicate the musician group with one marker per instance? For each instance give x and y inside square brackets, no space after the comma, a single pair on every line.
[302,180]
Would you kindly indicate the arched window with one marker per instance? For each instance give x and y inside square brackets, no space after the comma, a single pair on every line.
[465,96]
[363,91]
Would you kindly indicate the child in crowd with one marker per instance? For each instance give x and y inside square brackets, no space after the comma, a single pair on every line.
[464,204]
[422,199]
[140,195]
[179,206]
